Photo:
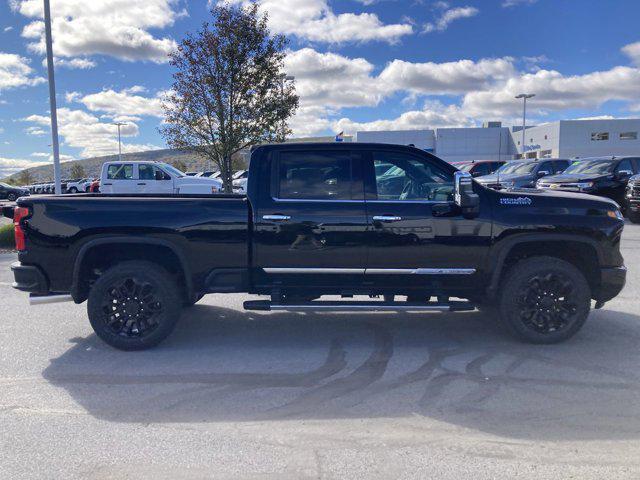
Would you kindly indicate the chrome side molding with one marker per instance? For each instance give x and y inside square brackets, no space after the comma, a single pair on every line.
[44,299]
[374,271]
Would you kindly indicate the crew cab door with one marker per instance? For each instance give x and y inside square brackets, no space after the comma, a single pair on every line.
[309,219]
[418,237]
[152,179]
[118,178]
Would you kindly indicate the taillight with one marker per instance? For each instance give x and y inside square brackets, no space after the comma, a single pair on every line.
[18,214]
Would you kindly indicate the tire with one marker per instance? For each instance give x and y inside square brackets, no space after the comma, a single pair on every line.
[12,197]
[141,293]
[544,300]
[73,190]
[634,217]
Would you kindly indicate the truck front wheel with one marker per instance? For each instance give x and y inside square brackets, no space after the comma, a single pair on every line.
[134,305]
[544,300]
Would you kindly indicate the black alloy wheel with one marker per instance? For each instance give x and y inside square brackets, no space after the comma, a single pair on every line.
[544,300]
[547,303]
[134,305]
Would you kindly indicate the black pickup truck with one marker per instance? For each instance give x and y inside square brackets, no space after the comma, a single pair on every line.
[393,224]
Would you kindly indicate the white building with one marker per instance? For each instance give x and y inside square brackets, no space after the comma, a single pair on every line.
[561,139]
[580,138]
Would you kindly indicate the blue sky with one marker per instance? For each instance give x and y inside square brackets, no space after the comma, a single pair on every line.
[359,64]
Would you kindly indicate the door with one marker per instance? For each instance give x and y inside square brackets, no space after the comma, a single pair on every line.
[152,179]
[418,238]
[622,172]
[120,179]
[310,220]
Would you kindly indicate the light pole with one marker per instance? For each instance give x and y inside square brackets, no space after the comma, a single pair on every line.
[52,99]
[524,97]
[119,124]
[283,125]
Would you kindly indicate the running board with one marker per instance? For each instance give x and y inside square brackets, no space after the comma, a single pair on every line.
[347,306]
[45,299]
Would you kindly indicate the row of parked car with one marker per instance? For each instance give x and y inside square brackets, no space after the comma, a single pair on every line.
[612,177]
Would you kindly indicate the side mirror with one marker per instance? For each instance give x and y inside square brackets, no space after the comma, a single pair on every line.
[624,174]
[465,198]
[543,173]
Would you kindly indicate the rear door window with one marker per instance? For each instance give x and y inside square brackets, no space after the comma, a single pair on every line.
[120,171]
[314,175]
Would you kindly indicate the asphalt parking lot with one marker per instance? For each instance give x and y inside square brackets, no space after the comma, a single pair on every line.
[253,395]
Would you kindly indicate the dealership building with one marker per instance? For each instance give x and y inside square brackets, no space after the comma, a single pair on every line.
[492,141]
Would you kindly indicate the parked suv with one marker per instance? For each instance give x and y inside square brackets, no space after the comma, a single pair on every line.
[605,177]
[633,199]
[522,173]
[11,193]
[479,168]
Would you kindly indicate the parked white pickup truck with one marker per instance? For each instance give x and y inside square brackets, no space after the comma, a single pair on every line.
[152,177]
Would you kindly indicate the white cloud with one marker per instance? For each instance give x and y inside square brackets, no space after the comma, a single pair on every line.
[116,28]
[9,166]
[314,20]
[515,3]
[7,29]
[633,52]
[449,16]
[309,121]
[332,80]
[556,92]
[122,103]
[75,63]
[433,115]
[446,78]
[86,132]
[16,72]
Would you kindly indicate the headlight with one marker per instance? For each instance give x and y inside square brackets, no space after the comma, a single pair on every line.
[615,214]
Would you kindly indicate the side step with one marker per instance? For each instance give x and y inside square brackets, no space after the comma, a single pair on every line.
[348,306]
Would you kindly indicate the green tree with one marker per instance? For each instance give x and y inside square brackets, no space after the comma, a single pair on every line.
[77,171]
[228,88]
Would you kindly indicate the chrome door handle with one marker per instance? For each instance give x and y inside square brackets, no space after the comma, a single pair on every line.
[386,218]
[277,218]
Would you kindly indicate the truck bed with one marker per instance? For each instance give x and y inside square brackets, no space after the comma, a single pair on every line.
[205,231]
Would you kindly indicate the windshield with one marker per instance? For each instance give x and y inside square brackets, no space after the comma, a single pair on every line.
[591,166]
[5,185]
[517,167]
[238,174]
[168,168]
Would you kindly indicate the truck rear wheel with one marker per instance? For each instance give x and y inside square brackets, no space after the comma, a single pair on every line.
[134,305]
[544,300]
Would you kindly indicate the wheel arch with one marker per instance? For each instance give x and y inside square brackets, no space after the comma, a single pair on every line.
[119,249]
[584,253]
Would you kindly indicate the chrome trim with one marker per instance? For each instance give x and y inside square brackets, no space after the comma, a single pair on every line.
[420,271]
[370,308]
[372,271]
[42,300]
[280,218]
[314,200]
[386,218]
[345,271]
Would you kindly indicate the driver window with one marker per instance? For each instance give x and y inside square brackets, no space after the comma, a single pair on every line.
[411,178]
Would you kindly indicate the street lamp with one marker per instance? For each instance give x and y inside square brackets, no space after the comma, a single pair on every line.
[524,97]
[283,77]
[52,99]
[119,124]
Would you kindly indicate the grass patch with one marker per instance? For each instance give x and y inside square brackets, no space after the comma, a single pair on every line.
[7,239]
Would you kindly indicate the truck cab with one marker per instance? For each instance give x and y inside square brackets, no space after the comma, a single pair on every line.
[152,178]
